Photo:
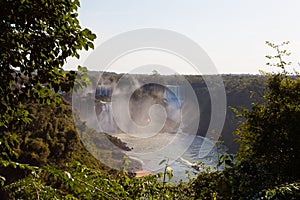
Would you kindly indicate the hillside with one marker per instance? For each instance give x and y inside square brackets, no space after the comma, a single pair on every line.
[241,91]
[52,139]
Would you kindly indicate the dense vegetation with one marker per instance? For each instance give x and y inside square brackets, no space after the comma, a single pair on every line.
[43,158]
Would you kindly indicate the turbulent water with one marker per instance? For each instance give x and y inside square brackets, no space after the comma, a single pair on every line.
[151,151]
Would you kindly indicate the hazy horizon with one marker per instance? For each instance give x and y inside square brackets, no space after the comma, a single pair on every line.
[232,33]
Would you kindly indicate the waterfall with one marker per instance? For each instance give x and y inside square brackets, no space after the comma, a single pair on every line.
[105,118]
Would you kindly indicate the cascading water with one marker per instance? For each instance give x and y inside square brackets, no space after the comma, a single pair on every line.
[105,118]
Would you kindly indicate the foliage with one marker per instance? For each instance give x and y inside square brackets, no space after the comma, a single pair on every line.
[82,79]
[36,38]
[285,191]
[80,182]
[267,165]
[270,135]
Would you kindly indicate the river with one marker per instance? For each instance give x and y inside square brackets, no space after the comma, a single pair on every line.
[181,149]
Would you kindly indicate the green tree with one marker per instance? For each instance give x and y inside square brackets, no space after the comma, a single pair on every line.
[36,37]
[270,137]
